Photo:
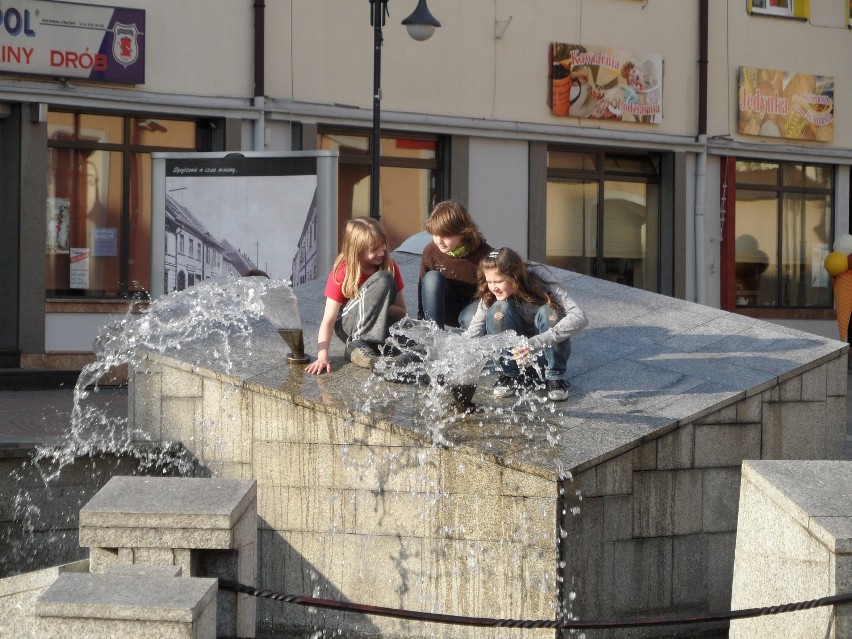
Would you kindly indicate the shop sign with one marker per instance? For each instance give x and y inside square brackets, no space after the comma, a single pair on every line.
[67,40]
[606,84]
[778,104]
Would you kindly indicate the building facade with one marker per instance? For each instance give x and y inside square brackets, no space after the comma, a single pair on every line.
[669,145]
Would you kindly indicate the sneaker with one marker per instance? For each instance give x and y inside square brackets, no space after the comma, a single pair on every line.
[505,386]
[557,390]
[361,353]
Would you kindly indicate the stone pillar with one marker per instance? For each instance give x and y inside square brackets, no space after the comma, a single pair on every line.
[127,605]
[794,543]
[206,527]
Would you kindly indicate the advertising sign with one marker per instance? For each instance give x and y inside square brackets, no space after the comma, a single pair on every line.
[79,273]
[778,104]
[67,40]
[606,84]
[231,215]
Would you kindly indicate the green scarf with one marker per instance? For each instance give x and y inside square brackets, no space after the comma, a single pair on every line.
[459,251]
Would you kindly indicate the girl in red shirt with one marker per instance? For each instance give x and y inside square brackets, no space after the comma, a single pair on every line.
[363,296]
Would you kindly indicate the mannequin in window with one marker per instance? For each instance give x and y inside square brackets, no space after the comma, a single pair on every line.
[750,264]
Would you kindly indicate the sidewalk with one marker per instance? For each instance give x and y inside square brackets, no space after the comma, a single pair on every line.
[43,416]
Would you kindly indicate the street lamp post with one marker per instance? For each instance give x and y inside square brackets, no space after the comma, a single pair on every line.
[420,24]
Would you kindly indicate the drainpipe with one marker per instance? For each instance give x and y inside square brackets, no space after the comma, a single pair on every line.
[701,160]
[259,142]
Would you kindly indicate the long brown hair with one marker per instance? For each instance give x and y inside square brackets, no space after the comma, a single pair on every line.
[361,234]
[449,218]
[528,286]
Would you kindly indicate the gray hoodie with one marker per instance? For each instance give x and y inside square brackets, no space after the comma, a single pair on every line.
[573,322]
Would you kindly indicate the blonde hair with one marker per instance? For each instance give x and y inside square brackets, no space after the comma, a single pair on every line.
[361,234]
[528,286]
[449,218]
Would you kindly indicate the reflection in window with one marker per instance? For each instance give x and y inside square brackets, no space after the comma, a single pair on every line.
[409,180]
[783,233]
[99,236]
[604,222]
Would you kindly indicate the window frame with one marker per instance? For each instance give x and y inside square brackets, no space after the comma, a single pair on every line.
[437,166]
[780,189]
[127,151]
[797,9]
[601,173]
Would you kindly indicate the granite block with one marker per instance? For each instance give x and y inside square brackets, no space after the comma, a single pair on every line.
[814,384]
[617,517]
[169,502]
[836,376]
[180,418]
[719,445]
[180,383]
[145,402]
[289,508]
[779,558]
[676,450]
[642,575]
[225,432]
[721,490]
[790,390]
[667,503]
[750,410]
[126,597]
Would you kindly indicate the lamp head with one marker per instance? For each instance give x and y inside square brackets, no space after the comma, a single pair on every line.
[421,23]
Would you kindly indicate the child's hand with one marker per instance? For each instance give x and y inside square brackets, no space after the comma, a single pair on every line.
[522,355]
[318,366]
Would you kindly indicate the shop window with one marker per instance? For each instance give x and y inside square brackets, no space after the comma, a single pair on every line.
[410,179]
[603,212]
[783,225]
[99,200]
[783,8]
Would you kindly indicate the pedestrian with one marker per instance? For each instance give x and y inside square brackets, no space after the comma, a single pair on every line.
[525,298]
[363,296]
[448,266]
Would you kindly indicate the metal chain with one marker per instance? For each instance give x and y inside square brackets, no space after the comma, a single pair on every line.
[659,620]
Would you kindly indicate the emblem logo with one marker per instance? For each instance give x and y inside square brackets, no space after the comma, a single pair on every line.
[125,45]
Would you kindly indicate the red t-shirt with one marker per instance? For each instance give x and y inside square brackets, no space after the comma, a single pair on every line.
[335,282]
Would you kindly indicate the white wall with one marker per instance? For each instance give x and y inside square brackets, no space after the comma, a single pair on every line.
[499,186]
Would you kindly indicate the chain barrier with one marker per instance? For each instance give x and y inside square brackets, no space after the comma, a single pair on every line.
[571,624]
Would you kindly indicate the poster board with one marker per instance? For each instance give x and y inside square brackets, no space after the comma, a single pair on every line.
[224,214]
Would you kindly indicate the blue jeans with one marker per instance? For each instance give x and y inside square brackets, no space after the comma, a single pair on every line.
[528,320]
[441,304]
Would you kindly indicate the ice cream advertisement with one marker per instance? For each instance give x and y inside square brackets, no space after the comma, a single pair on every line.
[778,104]
[606,84]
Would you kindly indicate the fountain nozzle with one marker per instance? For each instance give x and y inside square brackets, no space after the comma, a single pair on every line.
[295,340]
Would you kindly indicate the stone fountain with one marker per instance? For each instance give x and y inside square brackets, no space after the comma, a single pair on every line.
[621,501]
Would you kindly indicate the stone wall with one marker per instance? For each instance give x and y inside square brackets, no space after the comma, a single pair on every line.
[656,526]
[361,510]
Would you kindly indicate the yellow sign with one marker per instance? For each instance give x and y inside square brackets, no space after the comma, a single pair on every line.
[778,104]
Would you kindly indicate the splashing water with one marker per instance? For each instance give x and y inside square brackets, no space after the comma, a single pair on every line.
[218,316]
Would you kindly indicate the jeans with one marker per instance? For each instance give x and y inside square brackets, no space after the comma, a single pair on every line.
[441,304]
[528,320]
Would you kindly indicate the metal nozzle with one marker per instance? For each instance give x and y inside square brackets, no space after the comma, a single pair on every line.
[296,342]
